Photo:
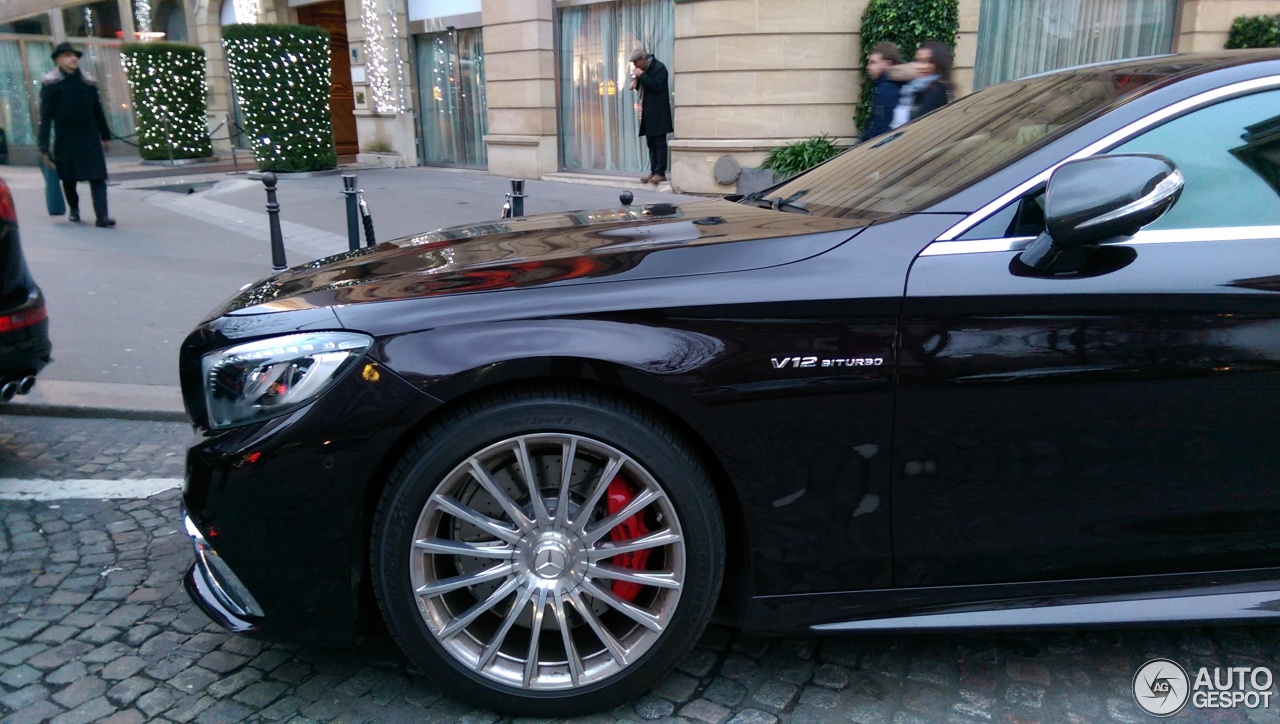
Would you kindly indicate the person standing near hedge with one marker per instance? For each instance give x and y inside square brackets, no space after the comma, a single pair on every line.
[649,77]
[881,61]
[71,107]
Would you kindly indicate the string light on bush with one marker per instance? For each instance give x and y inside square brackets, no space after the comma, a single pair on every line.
[385,100]
[142,10]
[167,82]
[399,64]
[246,11]
[281,74]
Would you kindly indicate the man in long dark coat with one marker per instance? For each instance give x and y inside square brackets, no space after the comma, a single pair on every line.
[71,107]
[649,77]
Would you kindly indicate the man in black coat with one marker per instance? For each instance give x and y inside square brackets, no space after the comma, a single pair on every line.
[70,106]
[649,77]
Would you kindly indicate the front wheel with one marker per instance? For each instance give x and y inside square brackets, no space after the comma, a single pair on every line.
[548,554]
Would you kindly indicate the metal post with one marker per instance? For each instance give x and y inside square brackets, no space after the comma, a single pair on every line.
[517,197]
[168,138]
[278,263]
[235,163]
[353,211]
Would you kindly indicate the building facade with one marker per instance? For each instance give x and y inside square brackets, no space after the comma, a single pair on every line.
[528,88]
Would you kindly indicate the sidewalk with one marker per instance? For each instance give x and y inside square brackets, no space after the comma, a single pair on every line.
[122,300]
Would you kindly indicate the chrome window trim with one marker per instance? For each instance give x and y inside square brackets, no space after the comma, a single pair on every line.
[1112,139]
[977,246]
[1209,233]
[1154,236]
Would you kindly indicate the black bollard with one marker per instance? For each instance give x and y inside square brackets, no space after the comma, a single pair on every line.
[517,197]
[168,139]
[353,210]
[626,197]
[278,263]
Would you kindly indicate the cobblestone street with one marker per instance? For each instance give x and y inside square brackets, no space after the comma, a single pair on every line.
[95,626]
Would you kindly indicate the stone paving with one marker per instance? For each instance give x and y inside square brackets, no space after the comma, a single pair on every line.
[95,626]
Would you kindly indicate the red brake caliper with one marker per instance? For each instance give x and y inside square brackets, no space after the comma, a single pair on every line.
[620,496]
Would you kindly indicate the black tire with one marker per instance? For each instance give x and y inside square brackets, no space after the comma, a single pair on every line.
[432,464]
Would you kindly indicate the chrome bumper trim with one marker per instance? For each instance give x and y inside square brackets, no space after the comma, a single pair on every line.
[215,588]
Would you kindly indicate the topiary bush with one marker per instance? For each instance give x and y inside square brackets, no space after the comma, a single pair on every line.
[909,24]
[281,75]
[793,158]
[1258,31]
[167,82]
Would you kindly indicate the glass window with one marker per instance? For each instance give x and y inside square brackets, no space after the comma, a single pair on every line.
[102,61]
[151,17]
[228,14]
[95,20]
[451,94]
[15,105]
[599,120]
[932,157]
[172,21]
[1017,38]
[34,25]
[1229,154]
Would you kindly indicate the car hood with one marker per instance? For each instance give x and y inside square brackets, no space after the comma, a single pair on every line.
[577,247]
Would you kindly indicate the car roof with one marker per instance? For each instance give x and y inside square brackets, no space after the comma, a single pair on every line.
[1168,65]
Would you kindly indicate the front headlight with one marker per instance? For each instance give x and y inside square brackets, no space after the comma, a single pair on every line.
[259,380]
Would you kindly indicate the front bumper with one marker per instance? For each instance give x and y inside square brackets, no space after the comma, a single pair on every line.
[216,589]
[286,504]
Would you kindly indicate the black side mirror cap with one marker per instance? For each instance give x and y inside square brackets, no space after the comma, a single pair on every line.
[1099,199]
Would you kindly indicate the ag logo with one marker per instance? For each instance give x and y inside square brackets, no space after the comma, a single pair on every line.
[1161,687]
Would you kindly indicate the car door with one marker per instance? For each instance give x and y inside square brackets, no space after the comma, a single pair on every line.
[1124,420]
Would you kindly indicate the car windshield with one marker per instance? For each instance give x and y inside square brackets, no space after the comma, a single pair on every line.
[927,160]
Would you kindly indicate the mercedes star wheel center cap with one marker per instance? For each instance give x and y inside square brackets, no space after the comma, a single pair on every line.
[550,560]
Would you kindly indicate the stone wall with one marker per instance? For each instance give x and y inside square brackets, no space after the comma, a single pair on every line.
[1204,24]
[754,74]
[520,87]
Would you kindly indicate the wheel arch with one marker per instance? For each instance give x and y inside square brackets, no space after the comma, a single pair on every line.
[606,378]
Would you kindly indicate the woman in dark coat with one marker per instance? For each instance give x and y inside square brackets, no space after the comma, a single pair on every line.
[932,89]
[649,76]
[71,107]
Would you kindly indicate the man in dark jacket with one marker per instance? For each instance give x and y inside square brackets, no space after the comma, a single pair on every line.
[70,106]
[649,77]
[884,98]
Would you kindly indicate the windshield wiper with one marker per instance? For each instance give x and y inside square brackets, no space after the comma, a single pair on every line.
[778,203]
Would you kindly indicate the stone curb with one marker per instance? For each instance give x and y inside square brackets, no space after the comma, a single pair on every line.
[66,398]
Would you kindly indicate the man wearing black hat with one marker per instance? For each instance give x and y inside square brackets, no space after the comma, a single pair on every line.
[649,76]
[69,104]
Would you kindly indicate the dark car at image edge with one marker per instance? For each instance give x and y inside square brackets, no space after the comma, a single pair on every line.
[25,348]
[1014,364]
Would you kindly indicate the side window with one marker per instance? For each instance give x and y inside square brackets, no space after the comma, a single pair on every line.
[1024,217]
[1229,154]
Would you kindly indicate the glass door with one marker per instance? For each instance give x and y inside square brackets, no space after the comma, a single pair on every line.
[599,118]
[451,98]
[15,103]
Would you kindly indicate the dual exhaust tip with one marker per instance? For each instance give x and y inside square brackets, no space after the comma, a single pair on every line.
[19,386]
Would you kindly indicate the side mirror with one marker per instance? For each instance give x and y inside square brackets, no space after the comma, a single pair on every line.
[1099,199]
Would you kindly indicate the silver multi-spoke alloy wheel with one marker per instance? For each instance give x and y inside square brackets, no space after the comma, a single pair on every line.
[518,557]
[547,550]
